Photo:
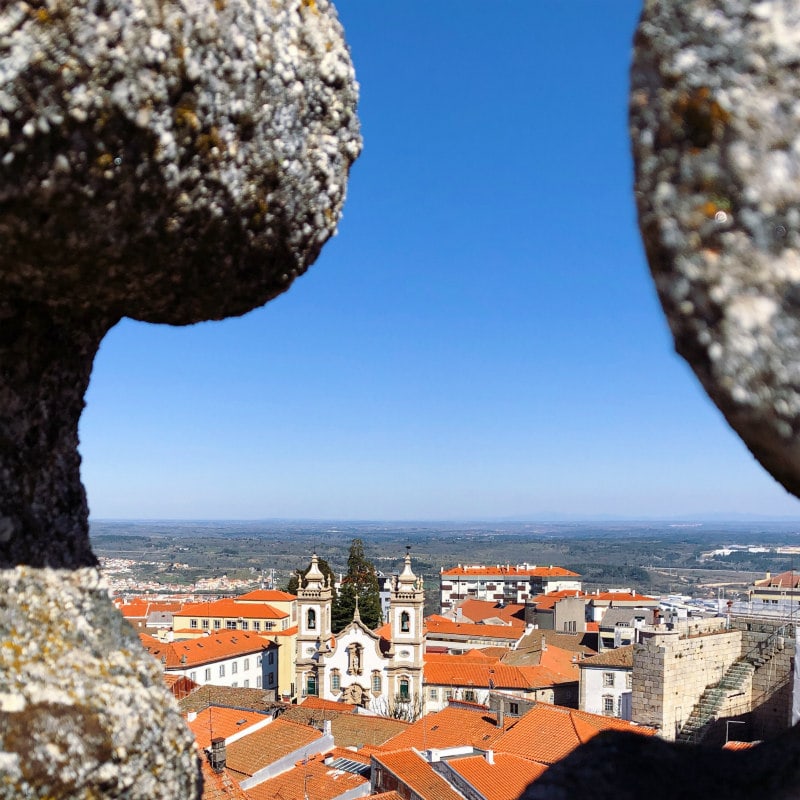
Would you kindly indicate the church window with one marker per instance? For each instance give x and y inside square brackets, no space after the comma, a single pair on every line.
[311,684]
[336,681]
[405,622]
[376,682]
[404,692]
[311,619]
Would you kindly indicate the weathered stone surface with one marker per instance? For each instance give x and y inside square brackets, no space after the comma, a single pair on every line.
[168,161]
[715,107]
[171,161]
[84,712]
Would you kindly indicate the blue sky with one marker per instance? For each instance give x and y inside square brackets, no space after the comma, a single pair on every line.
[481,340]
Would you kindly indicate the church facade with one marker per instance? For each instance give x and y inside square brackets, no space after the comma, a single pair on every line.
[381,671]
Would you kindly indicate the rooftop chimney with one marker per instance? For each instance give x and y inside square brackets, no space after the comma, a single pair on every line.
[191,716]
[489,756]
[217,755]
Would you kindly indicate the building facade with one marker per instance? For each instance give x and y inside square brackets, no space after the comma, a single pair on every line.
[504,583]
[379,671]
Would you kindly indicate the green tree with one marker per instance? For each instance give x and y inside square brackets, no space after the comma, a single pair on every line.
[360,581]
[324,568]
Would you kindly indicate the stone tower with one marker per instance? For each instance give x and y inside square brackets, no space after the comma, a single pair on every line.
[314,600]
[406,602]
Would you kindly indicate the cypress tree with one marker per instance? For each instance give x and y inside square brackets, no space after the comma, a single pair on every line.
[360,581]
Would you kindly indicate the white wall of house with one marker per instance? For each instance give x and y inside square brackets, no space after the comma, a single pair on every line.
[254,670]
[602,691]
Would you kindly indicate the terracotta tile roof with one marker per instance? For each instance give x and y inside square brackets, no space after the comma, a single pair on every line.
[783,580]
[416,773]
[507,777]
[504,570]
[479,610]
[619,657]
[179,685]
[219,721]
[451,727]
[529,650]
[738,745]
[474,656]
[255,751]
[544,602]
[195,652]
[593,627]
[233,697]
[288,632]
[438,625]
[312,779]
[348,729]
[219,786]
[133,609]
[231,607]
[549,733]
[266,596]
[455,672]
[386,796]
[319,702]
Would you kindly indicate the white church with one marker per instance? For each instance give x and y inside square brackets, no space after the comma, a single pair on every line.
[358,665]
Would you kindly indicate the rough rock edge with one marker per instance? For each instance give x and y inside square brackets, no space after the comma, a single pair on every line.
[84,711]
[714,126]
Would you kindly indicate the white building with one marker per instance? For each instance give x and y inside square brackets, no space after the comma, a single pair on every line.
[606,683]
[225,658]
[505,583]
[360,666]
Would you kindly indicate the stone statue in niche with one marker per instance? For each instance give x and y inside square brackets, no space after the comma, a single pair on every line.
[355,656]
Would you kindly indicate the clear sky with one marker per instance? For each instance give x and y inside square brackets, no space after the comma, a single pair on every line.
[481,340]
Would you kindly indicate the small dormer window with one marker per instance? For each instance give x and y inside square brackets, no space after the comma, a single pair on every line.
[311,619]
[405,622]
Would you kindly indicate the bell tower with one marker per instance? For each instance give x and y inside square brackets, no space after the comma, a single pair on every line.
[406,604]
[314,598]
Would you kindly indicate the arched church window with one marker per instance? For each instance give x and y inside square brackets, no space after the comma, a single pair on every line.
[311,619]
[404,689]
[376,682]
[405,622]
[336,681]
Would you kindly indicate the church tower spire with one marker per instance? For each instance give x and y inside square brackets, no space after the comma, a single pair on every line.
[314,600]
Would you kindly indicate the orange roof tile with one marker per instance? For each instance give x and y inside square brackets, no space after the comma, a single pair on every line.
[416,773]
[253,752]
[387,796]
[453,726]
[479,610]
[348,729]
[319,702]
[232,608]
[206,649]
[549,733]
[220,721]
[438,625]
[504,570]
[508,776]
[266,596]
[287,632]
[133,609]
[455,672]
[738,745]
[618,657]
[220,785]
[547,601]
[310,779]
